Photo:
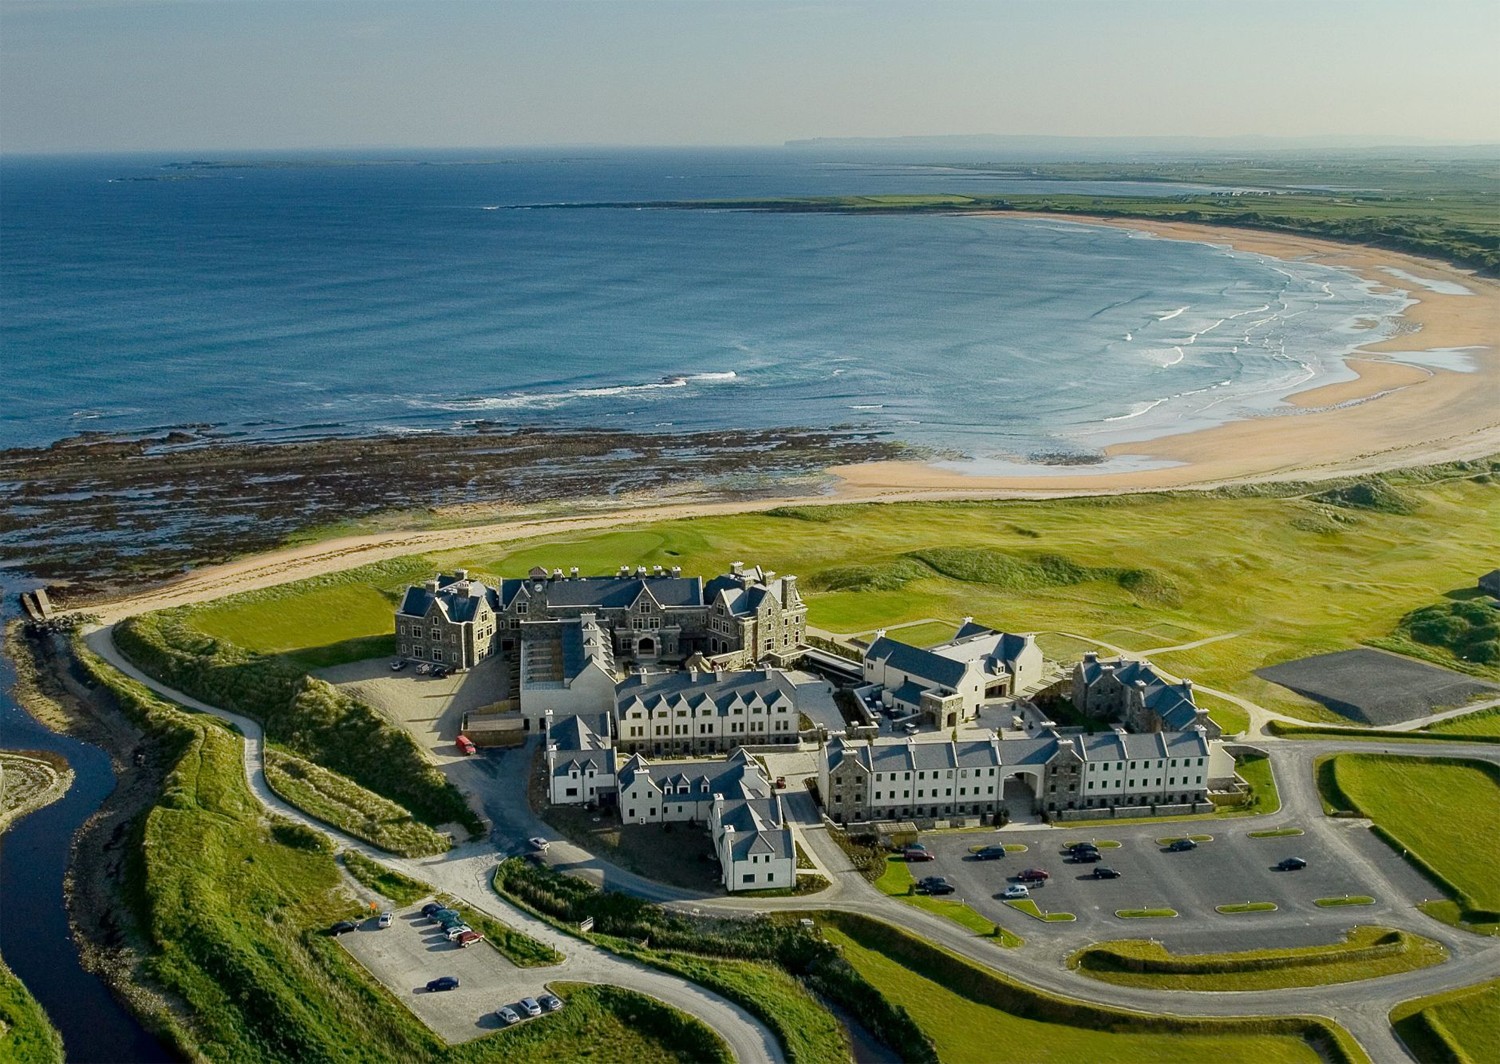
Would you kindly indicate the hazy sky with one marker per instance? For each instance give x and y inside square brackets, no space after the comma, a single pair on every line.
[221,74]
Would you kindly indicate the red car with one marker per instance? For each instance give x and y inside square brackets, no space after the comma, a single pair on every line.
[1033,875]
[917,854]
[465,745]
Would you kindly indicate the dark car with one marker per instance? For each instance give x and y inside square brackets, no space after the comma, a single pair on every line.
[989,853]
[430,908]
[1291,864]
[935,885]
[439,914]
[914,853]
[1034,875]
[1087,856]
[439,672]
[1082,847]
[443,982]
[343,927]
[550,1003]
[1106,873]
[1178,845]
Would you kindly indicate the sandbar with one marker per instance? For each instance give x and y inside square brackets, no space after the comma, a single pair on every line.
[1392,414]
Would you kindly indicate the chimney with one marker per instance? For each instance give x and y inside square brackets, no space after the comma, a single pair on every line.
[769,574]
[968,620]
[460,574]
[656,570]
[676,570]
[431,586]
[880,633]
[737,568]
[573,573]
[557,574]
[624,570]
[640,570]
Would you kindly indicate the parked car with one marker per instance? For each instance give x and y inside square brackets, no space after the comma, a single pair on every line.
[1034,875]
[550,1003]
[935,885]
[1106,873]
[1015,890]
[508,1015]
[538,844]
[468,938]
[430,908]
[1291,864]
[440,914]
[453,932]
[385,920]
[1084,847]
[989,853]
[442,982]
[343,927]
[1178,845]
[909,729]
[465,745]
[439,672]
[423,669]
[530,1007]
[1087,856]
[398,664]
[917,853]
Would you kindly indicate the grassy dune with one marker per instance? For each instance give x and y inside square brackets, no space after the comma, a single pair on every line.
[26,1035]
[971,1012]
[1287,572]
[339,801]
[1462,1026]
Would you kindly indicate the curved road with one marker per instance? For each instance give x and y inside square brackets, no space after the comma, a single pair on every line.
[1361,1007]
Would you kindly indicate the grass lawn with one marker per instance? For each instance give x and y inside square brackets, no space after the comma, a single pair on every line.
[1442,811]
[897,881]
[26,1035]
[1347,899]
[1230,718]
[957,1014]
[927,634]
[1146,914]
[1461,1025]
[1033,910]
[1295,576]
[1276,833]
[1246,907]
[1482,722]
[401,890]
[1366,953]
[680,855]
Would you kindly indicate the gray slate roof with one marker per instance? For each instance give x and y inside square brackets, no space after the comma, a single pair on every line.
[610,592]
[459,599]
[915,661]
[721,688]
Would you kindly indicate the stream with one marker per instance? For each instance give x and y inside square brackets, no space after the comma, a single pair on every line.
[35,939]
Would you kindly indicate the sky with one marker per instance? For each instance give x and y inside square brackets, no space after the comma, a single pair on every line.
[173,75]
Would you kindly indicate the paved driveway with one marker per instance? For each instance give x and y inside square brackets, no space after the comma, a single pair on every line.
[413,950]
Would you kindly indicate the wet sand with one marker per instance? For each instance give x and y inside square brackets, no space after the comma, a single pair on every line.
[1392,415]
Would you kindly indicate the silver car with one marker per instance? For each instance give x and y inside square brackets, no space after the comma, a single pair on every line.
[507,1015]
[530,1007]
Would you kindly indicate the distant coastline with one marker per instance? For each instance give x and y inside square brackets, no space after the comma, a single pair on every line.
[1394,413]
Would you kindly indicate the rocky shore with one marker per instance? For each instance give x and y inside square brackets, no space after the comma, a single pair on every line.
[98,514]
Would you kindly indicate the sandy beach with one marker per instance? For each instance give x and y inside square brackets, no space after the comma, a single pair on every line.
[1393,414]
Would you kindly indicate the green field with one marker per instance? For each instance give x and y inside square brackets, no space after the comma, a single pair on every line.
[26,1035]
[1462,1026]
[1290,572]
[970,1013]
[1441,811]
[1366,953]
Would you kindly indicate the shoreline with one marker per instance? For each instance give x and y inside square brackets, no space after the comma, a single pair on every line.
[1394,413]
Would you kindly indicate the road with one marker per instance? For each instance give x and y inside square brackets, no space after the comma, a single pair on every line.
[1344,844]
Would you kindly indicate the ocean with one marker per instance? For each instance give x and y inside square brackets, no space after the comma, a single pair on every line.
[294,297]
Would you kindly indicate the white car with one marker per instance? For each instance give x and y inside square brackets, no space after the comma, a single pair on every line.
[1016,890]
[530,1007]
[539,844]
[456,930]
[385,919]
[508,1015]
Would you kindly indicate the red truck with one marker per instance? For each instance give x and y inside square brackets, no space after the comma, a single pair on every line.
[465,745]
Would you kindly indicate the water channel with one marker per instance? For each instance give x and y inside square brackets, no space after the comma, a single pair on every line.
[34,936]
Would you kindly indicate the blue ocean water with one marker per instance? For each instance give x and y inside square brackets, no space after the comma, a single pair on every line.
[349,294]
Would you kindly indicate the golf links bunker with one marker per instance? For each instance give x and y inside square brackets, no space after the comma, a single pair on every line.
[1373,687]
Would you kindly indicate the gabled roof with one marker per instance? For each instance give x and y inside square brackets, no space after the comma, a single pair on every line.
[608,592]
[723,690]
[915,661]
[458,598]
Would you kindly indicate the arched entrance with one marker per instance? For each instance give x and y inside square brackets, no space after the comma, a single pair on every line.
[645,646]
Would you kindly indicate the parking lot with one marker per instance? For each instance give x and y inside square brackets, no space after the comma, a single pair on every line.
[412,951]
[1230,869]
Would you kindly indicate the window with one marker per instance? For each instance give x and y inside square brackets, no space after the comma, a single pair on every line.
[571,792]
[748,877]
